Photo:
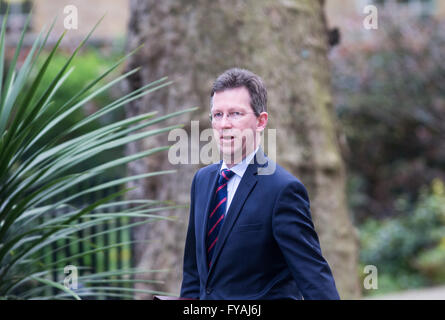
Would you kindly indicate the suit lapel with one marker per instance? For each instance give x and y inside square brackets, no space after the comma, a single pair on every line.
[245,187]
[211,185]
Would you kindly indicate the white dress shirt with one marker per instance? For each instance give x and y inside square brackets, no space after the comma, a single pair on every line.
[239,170]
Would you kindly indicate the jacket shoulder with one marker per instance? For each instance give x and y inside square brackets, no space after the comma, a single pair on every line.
[281,177]
[204,171]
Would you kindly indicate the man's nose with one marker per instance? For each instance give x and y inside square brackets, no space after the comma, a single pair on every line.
[226,122]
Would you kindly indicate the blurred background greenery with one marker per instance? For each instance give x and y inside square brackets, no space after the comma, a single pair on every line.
[389,90]
[90,63]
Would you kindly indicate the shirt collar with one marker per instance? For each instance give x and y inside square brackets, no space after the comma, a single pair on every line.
[241,167]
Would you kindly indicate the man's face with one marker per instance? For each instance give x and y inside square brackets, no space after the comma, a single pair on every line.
[236,128]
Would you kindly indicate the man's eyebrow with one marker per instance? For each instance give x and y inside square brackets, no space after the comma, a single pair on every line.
[231,108]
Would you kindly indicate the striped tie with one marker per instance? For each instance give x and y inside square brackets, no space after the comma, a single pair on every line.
[216,215]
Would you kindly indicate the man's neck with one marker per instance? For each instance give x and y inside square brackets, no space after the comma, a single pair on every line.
[230,164]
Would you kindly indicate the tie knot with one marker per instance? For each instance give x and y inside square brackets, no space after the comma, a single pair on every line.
[225,176]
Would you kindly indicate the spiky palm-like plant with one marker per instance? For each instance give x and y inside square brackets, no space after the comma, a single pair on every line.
[36,168]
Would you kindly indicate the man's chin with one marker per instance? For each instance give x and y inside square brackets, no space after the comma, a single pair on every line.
[231,155]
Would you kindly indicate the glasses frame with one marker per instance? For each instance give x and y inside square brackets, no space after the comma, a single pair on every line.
[228,116]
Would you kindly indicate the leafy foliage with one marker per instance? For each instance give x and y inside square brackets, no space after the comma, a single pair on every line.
[408,250]
[89,64]
[389,88]
[38,167]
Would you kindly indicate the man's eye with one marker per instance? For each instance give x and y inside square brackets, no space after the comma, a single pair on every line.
[235,113]
[217,115]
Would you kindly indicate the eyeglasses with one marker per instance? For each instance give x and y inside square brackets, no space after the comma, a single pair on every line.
[233,115]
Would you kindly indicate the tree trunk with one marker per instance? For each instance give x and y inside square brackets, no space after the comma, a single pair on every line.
[286,43]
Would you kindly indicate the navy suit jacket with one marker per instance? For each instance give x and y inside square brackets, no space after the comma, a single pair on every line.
[267,246]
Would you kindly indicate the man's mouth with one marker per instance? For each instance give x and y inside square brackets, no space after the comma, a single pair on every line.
[227,138]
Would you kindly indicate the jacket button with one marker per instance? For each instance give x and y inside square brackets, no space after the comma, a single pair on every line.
[208,290]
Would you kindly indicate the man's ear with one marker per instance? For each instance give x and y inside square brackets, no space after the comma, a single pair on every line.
[262,121]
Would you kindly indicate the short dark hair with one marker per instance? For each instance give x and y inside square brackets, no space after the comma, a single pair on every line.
[236,78]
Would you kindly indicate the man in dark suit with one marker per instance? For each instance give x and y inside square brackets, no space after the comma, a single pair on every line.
[250,233]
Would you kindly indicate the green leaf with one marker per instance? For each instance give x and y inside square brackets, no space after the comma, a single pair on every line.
[57,286]
[43,212]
